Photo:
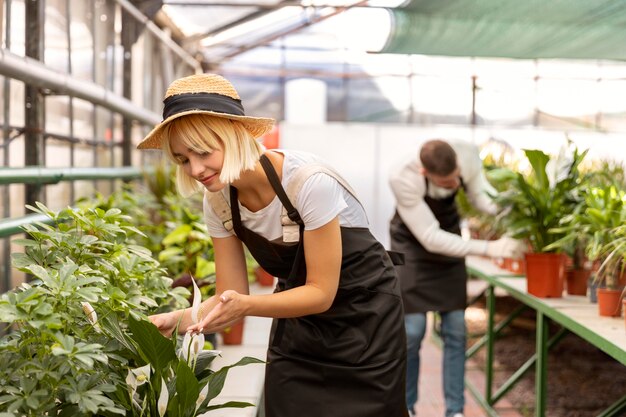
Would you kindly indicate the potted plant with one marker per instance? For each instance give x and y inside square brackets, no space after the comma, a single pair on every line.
[534,206]
[80,326]
[611,275]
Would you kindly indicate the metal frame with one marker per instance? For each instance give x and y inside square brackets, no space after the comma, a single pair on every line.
[112,110]
[546,313]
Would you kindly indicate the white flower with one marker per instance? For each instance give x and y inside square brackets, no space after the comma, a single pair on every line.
[135,378]
[197,300]
[163,398]
[131,383]
[91,315]
[142,374]
[193,343]
[202,396]
[192,346]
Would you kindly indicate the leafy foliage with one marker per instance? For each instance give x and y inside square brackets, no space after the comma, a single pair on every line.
[535,203]
[79,326]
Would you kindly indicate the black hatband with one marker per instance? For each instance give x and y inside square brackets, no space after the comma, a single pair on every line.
[201,101]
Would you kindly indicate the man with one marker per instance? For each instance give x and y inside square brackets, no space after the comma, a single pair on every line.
[426,228]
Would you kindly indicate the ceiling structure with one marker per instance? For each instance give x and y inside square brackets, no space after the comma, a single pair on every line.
[216,31]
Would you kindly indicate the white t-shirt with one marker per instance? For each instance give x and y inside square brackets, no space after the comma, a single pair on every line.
[321,199]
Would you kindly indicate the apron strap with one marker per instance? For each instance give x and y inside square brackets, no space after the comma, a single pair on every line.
[289,210]
[294,217]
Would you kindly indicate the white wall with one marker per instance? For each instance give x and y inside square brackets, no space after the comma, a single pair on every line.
[365,153]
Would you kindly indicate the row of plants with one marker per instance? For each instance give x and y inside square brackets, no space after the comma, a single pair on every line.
[572,213]
[77,340]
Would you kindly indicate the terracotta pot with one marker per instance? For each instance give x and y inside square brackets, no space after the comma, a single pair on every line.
[545,274]
[499,262]
[577,281]
[517,266]
[609,302]
[233,335]
[263,277]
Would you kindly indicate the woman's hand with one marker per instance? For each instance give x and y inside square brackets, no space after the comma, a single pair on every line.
[228,310]
[166,322]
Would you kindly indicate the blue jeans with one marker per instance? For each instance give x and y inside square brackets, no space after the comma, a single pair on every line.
[453,333]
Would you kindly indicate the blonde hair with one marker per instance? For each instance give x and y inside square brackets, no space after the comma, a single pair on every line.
[202,133]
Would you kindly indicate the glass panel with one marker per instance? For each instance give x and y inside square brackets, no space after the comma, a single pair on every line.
[504,101]
[442,99]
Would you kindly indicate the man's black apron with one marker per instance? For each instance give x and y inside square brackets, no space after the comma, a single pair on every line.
[430,281]
[349,361]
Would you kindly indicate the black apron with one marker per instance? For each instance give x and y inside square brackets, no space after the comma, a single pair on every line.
[349,361]
[430,281]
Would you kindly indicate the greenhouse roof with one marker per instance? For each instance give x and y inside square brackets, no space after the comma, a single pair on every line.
[577,29]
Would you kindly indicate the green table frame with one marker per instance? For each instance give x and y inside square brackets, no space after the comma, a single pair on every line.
[574,314]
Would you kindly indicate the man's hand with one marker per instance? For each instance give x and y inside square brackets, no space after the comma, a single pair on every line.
[506,247]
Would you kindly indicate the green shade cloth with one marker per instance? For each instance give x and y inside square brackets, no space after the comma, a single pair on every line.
[576,29]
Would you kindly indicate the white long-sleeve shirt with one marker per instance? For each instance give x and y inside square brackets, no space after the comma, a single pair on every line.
[409,188]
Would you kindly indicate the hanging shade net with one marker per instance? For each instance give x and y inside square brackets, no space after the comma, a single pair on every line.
[577,29]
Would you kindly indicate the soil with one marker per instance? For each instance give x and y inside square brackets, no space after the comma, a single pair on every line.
[582,380]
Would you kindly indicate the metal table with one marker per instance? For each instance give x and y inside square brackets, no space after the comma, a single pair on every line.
[575,314]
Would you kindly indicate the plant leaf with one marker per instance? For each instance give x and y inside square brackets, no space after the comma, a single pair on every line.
[154,347]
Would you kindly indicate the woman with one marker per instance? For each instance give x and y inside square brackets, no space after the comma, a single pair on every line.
[337,345]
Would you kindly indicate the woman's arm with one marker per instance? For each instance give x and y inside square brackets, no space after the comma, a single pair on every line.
[322,248]
[231,274]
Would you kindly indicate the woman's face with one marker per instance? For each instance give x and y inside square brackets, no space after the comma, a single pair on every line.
[204,167]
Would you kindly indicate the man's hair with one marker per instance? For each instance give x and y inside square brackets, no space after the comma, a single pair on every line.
[438,157]
[202,133]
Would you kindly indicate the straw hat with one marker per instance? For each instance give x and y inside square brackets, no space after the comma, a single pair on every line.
[209,94]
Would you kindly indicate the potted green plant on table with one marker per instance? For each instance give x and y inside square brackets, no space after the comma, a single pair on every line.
[611,275]
[589,229]
[534,205]
[80,343]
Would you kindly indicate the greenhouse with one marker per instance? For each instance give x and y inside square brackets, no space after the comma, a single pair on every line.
[312,208]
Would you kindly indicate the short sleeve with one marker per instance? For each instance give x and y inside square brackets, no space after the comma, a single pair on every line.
[320,200]
[213,223]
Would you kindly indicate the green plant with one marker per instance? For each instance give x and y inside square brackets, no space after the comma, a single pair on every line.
[171,226]
[188,249]
[535,203]
[79,332]
[613,266]
[591,224]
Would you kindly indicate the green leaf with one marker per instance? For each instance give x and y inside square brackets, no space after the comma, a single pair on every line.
[538,160]
[187,388]
[110,325]
[229,404]
[204,268]
[178,235]
[216,380]
[154,347]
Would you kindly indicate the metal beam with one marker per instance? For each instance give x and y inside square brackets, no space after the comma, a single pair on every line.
[35,73]
[34,147]
[41,175]
[178,50]
[289,31]
[260,12]
[256,5]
